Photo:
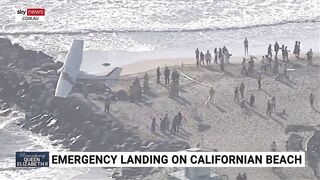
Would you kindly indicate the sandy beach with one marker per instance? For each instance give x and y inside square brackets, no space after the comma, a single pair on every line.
[223,125]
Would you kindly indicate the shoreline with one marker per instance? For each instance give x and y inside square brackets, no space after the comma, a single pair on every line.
[151,64]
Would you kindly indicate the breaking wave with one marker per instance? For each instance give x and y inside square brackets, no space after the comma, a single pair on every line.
[89,31]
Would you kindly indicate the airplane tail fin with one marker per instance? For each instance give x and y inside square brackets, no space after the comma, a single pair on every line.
[114,74]
[113,77]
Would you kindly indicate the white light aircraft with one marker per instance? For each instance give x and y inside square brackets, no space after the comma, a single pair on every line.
[70,72]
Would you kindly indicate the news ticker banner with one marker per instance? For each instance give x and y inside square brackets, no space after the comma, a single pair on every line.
[30,14]
[160,159]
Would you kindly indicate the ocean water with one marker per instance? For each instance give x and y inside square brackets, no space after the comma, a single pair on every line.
[148,29]
[126,31]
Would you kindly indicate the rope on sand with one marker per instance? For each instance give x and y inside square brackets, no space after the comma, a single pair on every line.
[195,80]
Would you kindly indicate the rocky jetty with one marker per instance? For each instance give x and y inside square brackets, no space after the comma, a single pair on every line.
[28,80]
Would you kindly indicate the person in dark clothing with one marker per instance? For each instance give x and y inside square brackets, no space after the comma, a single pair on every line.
[221,57]
[246,47]
[241,89]
[167,76]
[107,104]
[165,123]
[179,120]
[286,53]
[309,56]
[153,125]
[311,99]
[158,75]
[259,81]
[243,66]
[162,125]
[269,107]
[270,51]
[283,53]
[226,54]
[208,58]
[295,49]
[174,124]
[201,58]
[298,49]
[276,49]
[215,56]
[252,99]
[197,55]
[236,95]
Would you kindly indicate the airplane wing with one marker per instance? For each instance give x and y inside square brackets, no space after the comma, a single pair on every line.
[113,75]
[70,70]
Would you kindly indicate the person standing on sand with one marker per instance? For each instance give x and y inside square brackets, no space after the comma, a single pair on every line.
[241,89]
[298,52]
[309,56]
[179,120]
[166,76]
[295,49]
[211,94]
[269,107]
[259,80]
[243,66]
[107,104]
[197,56]
[252,99]
[246,46]
[215,56]
[283,52]
[201,58]
[276,50]
[166,123]
[158,75]
[153,125]
[286,53]
[236,95]
[311,99]
[208,58]
[269,51]
[174,124]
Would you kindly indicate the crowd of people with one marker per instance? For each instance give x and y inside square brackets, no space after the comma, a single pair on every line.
[221,56]
[164,124]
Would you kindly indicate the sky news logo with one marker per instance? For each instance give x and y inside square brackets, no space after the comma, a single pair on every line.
[30,14]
